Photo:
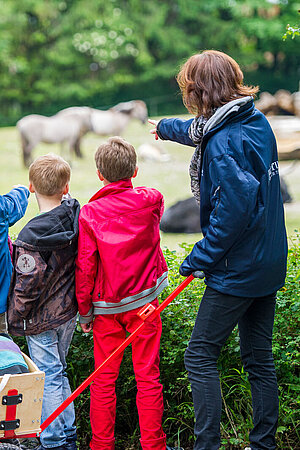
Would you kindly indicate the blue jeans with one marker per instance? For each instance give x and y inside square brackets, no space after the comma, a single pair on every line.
[49,350]
[217,316]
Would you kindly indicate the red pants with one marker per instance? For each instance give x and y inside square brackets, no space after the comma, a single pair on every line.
[109,332]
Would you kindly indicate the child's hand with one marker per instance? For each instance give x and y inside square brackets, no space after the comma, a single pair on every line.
[86,327]
[153,131]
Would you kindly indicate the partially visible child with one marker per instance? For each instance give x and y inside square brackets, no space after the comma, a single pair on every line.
[12,208]
[42,304]
[120,268]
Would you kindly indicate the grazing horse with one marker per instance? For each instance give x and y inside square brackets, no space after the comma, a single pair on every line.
[71,124]
[55,129]
[112,121]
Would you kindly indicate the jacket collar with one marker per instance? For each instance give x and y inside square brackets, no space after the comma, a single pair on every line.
[53,229]
[229,112]
[113,188]
[235,110]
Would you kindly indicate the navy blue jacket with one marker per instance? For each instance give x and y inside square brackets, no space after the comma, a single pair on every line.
[12,208]
[244,249]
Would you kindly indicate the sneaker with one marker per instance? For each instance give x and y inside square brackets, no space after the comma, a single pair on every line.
[8,446]
[11,442]
[29,444]
[70,445]
[175,448]
[71,442]
[61,447]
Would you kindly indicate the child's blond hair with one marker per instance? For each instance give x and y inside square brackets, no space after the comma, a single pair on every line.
[49,174]
[116,159]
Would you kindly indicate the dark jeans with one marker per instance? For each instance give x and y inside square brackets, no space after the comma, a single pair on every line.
[217,316]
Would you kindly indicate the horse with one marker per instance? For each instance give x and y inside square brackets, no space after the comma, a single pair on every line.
[36,128]
[71,124]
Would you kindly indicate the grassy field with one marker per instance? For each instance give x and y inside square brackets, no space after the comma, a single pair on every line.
[171,177]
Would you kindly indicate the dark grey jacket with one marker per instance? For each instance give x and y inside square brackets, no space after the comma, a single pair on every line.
[42,292]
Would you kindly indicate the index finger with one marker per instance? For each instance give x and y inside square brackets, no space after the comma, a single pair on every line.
[153,122]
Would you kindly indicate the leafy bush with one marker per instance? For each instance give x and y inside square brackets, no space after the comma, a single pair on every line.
[178,320]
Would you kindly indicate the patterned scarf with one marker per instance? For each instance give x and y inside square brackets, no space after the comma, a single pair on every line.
[196,135]
[196,132]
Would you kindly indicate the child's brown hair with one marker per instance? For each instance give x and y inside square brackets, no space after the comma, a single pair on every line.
[116,159]
[211,79]
[49,174]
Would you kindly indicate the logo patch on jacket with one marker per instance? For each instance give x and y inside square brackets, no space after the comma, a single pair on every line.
[26,263]
[273,169]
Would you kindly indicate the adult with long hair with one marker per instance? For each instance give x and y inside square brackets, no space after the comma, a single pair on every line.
[234,177]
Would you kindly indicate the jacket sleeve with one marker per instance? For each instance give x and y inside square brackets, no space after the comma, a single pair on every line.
[162,206]
[28,281]
[176,130]
[86,270]
[233,200]
[13,205]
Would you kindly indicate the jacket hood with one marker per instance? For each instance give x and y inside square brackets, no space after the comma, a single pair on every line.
[53,229]
[229,110]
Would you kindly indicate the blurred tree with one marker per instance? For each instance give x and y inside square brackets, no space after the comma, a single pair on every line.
[57,53]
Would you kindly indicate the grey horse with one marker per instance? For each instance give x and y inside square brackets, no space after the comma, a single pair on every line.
[71,124]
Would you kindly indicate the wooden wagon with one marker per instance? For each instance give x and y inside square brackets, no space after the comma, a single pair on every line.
[21,399]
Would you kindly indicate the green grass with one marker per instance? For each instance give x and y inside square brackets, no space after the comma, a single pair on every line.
[171,178]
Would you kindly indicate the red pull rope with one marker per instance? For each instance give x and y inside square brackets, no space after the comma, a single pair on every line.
[121,347]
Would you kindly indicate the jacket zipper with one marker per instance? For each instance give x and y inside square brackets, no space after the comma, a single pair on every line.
[218,191]
[24,324]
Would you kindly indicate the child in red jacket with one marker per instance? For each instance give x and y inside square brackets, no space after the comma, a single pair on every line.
[120,268]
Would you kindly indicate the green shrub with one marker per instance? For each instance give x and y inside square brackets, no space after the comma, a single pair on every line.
[178,320]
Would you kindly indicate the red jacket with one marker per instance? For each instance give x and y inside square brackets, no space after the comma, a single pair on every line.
[120,265]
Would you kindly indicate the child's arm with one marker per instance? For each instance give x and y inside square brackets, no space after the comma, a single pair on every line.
[13,205]
[176,130]
[86,270]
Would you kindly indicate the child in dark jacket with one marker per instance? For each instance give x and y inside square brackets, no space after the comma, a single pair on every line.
[120,268]
[12,208]
[42,304]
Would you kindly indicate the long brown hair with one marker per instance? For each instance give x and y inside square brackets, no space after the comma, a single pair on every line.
[210,79]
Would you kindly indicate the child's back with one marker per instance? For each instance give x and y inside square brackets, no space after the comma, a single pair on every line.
[43,289]
[123,228]
[120,268]
[42,302]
